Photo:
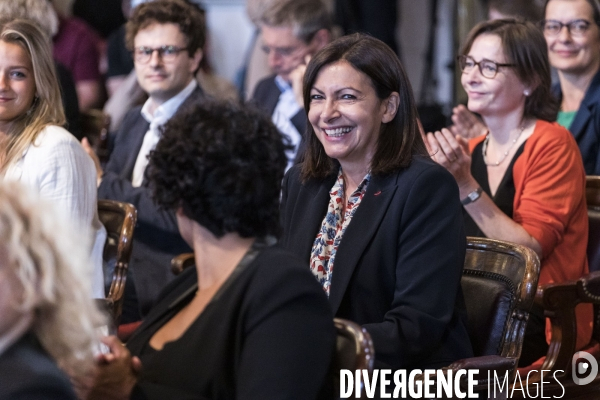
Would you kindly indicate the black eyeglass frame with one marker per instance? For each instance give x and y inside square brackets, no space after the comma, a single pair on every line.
[569,26]
[478,64]
[143,54]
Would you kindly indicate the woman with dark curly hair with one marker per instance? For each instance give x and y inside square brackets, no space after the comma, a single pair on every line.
[249,321]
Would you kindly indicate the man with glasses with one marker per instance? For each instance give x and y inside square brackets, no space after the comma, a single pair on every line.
[165,37]
[292,31]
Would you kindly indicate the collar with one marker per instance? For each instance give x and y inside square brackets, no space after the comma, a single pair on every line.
[338,186]
[282,84]
[166,110]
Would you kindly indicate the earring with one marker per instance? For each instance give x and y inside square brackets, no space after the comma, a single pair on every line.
[526,92]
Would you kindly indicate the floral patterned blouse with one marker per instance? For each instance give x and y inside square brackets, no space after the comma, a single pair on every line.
[332,229]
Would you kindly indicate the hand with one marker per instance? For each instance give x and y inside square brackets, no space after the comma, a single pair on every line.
[88,149]
[296,77]
[466,124]
[452,152]
[116,374]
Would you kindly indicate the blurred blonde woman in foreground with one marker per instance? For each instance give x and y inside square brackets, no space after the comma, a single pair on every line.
[47,318]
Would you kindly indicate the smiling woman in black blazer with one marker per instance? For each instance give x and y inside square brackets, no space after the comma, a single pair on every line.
[378,221]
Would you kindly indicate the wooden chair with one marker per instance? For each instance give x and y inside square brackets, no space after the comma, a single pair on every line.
[559,301]
[499,283]
[181,262]
[354,350]
[119,219]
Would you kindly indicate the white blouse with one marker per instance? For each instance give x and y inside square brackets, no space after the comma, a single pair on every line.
[59,168]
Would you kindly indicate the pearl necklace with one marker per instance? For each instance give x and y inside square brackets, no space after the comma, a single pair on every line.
[485,144]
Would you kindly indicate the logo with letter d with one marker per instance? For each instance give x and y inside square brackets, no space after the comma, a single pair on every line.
[581,364]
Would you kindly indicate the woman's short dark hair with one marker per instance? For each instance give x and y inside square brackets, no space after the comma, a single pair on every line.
[223,165]
[400,138]
[524,45]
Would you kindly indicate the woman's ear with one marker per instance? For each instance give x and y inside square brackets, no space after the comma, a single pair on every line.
[391,107]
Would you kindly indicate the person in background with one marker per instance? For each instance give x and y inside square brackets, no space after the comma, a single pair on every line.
[378,223]
[48,323]
[42,12]
[166,38]
[378,18]
[528,10]
[34,148]
[292,31]
[220,166]
[77,47]
[524,181]
[465,123]
[123,88]
[572,32]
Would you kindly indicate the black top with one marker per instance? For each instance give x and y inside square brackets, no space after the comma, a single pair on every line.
[267,334]
[70,100]
[505,194]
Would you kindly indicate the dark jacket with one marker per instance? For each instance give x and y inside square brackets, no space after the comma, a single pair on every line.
[266,95]
[267,334]
[398,267]
[156,238]
[586,125]
[27,372]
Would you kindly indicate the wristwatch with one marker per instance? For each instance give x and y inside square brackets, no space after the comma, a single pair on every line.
[472,197]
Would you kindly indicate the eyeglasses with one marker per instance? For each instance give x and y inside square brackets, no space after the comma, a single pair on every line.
[488,68]
[279,51]
[168,54]
[576,27]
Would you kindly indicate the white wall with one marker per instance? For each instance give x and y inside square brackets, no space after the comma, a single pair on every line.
[230,33]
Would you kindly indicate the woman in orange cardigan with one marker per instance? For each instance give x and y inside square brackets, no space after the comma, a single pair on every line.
[524,180]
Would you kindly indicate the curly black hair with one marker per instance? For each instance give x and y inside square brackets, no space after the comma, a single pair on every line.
[223,164]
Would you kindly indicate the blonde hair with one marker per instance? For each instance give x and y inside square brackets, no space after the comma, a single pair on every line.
[53,269]
[46,108]
[39,11]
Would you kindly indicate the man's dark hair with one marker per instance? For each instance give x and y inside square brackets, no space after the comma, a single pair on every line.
[187,16]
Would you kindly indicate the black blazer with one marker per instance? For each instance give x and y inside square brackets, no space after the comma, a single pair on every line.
[398,267]
[156,238]
[28,373]
[267,334]
[266,95]
[586,125]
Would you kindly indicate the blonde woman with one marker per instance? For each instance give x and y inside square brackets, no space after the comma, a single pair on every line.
[34,148]
[47,317]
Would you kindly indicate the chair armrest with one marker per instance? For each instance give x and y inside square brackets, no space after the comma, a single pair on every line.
[559,301]
[181,262]
[485,364]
